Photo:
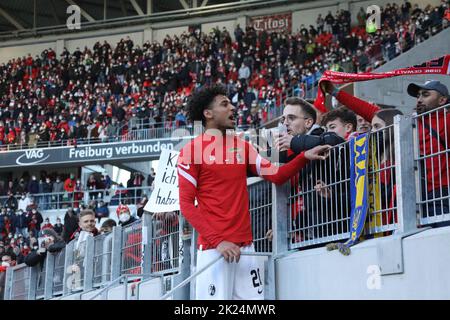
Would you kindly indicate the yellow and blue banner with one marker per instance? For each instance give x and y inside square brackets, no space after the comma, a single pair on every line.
[359,186]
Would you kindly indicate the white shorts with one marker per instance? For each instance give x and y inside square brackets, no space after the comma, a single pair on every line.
[230,281]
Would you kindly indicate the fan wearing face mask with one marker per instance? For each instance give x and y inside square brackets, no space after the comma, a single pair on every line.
[132,255]
[8,260]
[124,215]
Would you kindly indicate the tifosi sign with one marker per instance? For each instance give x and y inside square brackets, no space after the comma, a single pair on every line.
[272,23]
[31,157]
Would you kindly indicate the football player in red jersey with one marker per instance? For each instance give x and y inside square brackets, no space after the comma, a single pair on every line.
[213,170]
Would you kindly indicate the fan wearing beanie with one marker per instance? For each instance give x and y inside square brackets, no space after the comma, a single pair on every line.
[124,215]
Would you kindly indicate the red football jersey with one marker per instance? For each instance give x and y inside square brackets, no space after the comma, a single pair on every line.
[214,171]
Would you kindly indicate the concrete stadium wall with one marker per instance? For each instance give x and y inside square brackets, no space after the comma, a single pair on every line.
[160,34]
[230,25]
[319,274]
[8,53]
[308,17]
[392,91]
[71,45]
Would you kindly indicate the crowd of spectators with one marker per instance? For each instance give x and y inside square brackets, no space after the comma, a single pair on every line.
[52,190]
[103,92]
[21,220]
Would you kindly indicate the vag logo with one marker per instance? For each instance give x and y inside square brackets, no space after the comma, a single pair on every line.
[31,157]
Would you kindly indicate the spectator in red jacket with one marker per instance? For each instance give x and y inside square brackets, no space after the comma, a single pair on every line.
[46,225]
[69,186]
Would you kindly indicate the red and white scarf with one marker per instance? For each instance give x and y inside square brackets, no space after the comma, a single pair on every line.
[435,66]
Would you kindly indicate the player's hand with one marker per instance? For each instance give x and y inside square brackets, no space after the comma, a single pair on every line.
[283,142]
[327,86]
[317,153]
[230,251]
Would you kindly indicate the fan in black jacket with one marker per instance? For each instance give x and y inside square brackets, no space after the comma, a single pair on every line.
[52,243]
[307,210]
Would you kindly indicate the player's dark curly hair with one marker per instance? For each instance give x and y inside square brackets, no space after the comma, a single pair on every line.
[202,99]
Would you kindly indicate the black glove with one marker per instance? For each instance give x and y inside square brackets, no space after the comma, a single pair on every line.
[305,142]
[331,138]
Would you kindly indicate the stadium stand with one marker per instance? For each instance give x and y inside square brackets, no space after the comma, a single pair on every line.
[99,94]
[104,93]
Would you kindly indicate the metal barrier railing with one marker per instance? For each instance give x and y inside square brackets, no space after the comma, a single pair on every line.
[125,278]
[113,197]
[40,283]
[20,282]
[132,135]
[77,266]
[316,211]
[131,250]
[382,215]
[102,259]
[260,206]
[166,242]
[155,133]
[319,201]
[431,149]
[117,196]
[58,273]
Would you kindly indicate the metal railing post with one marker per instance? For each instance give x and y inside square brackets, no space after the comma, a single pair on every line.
[184,263]
[147,236]
[404,177]
[280,216]
[88,264]
[193,262]
[68,261]
[33,282]
[49,270]
[116,252]
[7,294]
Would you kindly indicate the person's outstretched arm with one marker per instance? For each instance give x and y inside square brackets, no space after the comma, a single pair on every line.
[360,107]
[280,174]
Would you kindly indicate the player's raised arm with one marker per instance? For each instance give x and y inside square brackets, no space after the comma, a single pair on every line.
[280,174]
